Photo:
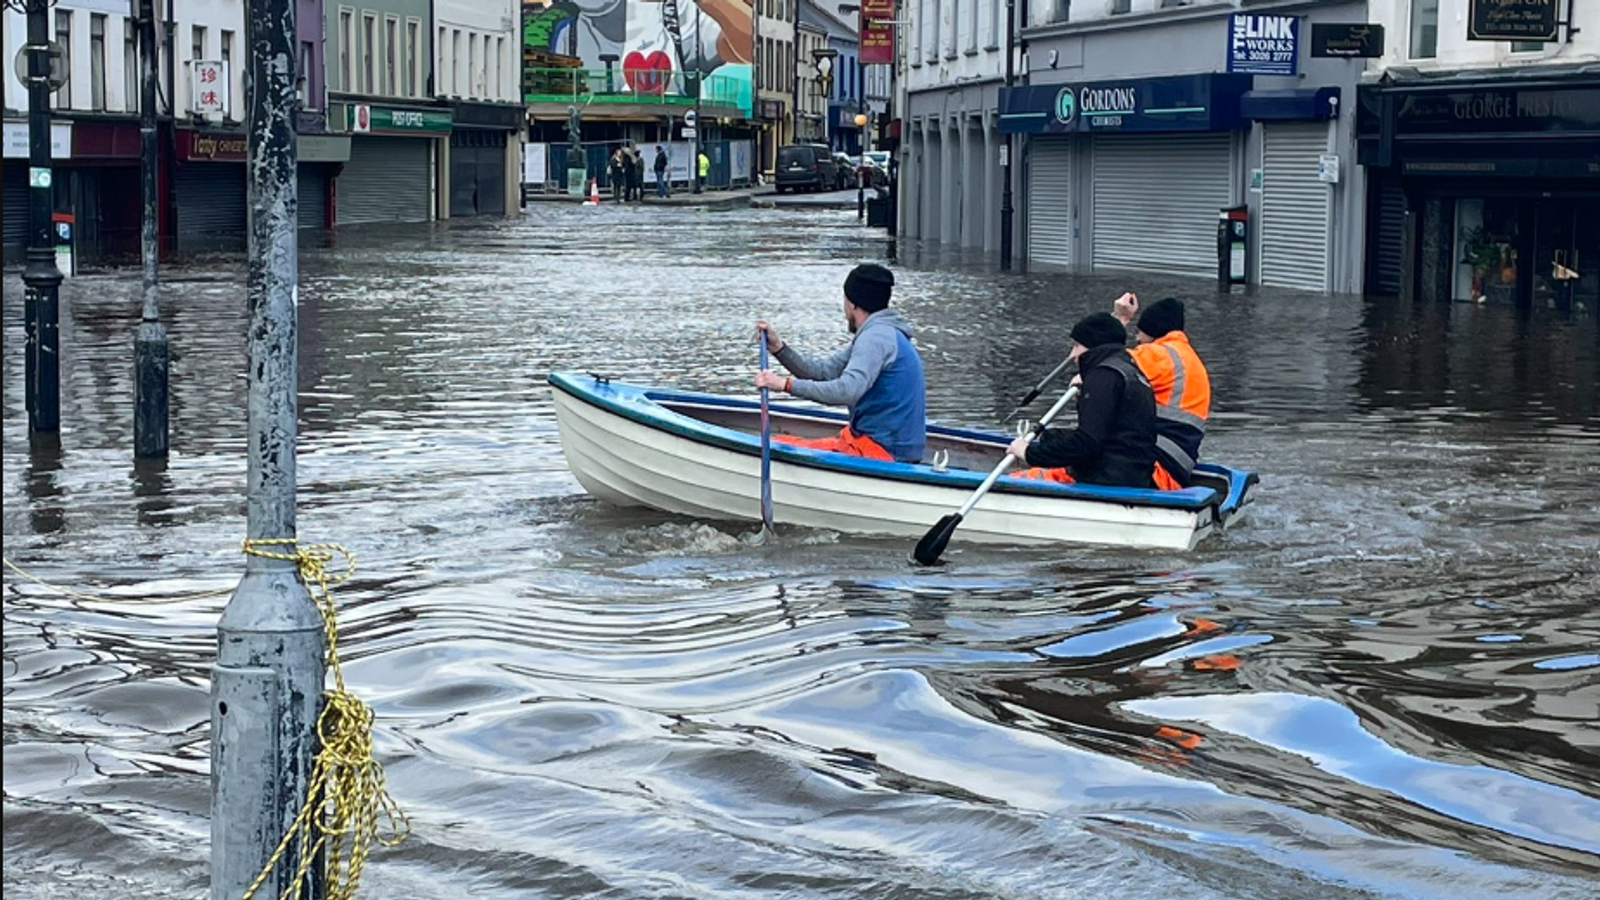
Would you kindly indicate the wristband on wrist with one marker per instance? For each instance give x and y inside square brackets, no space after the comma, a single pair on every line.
[788,385]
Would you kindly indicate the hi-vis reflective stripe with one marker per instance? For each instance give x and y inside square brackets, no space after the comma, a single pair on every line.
[1170,448]
[1172,410]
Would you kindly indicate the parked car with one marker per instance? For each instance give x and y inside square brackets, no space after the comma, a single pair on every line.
[847,171]
[876,162]
[806,167]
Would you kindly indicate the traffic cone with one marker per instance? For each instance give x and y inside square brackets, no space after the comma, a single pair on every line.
[594,192]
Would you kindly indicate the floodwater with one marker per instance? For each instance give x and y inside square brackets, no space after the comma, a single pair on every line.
[1384,683]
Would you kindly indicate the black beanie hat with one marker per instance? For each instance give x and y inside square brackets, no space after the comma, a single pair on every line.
[1100,328]
[868,286]
[1163,316]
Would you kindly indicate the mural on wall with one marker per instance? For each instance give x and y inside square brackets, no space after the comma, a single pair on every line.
[654,41]
[580,28]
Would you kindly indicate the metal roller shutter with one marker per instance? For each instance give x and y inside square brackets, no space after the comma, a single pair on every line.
[463,180]
[1386,252]
[211,203]
[477,173]
[1050,202]
[492,176]
[1156,201]
[313,192]
[17,208]
[386,180]
[1294,207]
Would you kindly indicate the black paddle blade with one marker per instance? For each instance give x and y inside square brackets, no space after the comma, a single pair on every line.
[932,545]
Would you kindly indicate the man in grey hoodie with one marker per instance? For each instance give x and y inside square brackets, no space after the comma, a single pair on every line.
[878,375]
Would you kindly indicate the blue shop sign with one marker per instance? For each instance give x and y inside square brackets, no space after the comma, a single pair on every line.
[1263,44]
[1177,103]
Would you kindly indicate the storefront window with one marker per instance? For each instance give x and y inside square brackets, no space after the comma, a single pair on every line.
[1424,29]
[1486,250]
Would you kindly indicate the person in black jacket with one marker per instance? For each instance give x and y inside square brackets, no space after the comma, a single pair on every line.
[1115,441]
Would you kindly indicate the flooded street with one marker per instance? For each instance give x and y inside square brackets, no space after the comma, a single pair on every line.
[1385,682]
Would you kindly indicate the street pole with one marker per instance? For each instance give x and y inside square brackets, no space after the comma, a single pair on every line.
[1007,211]
[794,68]
[150,350]
[892,107]
[40,278]
[699,76]
[267,686]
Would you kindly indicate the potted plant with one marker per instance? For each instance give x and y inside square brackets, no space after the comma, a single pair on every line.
[1481,253]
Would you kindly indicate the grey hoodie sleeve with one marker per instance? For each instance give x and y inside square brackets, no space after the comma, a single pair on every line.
[823,368]
[861,363]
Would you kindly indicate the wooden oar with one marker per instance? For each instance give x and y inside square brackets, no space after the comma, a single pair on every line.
[932,545]
[1039,388]
[766,448]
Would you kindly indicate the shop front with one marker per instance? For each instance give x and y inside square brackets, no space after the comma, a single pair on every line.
[209,184]
[394,157]
[485,159]
[1120,156]
[1486,187]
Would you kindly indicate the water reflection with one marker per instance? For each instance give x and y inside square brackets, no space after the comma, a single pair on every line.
[577,700]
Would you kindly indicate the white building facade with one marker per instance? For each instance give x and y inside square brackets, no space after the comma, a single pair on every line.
[953,64]
[477,66]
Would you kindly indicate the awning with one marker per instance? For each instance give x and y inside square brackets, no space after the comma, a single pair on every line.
[1302,104]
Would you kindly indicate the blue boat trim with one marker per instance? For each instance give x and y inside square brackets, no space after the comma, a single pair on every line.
[643,405]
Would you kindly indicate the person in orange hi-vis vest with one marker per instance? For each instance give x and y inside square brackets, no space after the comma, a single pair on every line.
[1181,384]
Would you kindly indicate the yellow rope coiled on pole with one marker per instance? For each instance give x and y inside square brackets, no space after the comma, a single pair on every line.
[347,793]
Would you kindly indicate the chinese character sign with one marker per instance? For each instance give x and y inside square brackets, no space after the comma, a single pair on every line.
[1263,45]
[210,87]
[877,31]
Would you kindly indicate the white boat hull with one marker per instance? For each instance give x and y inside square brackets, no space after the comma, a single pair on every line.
[627,462]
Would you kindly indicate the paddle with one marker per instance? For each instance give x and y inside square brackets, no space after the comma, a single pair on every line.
[932,545]
[1039,388]
[766,448]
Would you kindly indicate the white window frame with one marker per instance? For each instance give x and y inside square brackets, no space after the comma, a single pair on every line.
[347,49]
[413,57]
[392,56]
[369,54]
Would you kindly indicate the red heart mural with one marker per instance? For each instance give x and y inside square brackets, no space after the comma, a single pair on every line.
[647,73]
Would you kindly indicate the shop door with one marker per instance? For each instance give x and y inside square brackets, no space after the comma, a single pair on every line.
[1566,253]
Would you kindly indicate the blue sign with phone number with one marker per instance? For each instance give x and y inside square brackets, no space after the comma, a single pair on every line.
[1263,45]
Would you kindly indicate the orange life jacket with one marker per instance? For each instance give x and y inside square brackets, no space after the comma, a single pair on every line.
[1183,400]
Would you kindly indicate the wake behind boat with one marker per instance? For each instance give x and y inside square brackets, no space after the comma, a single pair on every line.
[698,455]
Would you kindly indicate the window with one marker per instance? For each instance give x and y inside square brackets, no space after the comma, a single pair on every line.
[64,38]
[302,75]
[391,52]
[497,81]
[456,62]
[227,67]
[1060,11]
[1424,29]
[935,44]
[97,62]
[442,63]
[369,58]
[972,26]
[413,53]
[472,65]
[197,45]
[1118,7]
[347,50]
[133,82]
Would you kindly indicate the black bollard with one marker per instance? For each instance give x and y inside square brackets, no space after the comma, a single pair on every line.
[40,277]
[150,351]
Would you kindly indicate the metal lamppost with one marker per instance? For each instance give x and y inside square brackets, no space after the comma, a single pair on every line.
[823,58]
[699,78]
[1007,210]
[41,280]
[151,353]
[861,121]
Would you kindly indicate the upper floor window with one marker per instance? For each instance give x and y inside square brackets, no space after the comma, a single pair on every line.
[1424,29]
[1118,7]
